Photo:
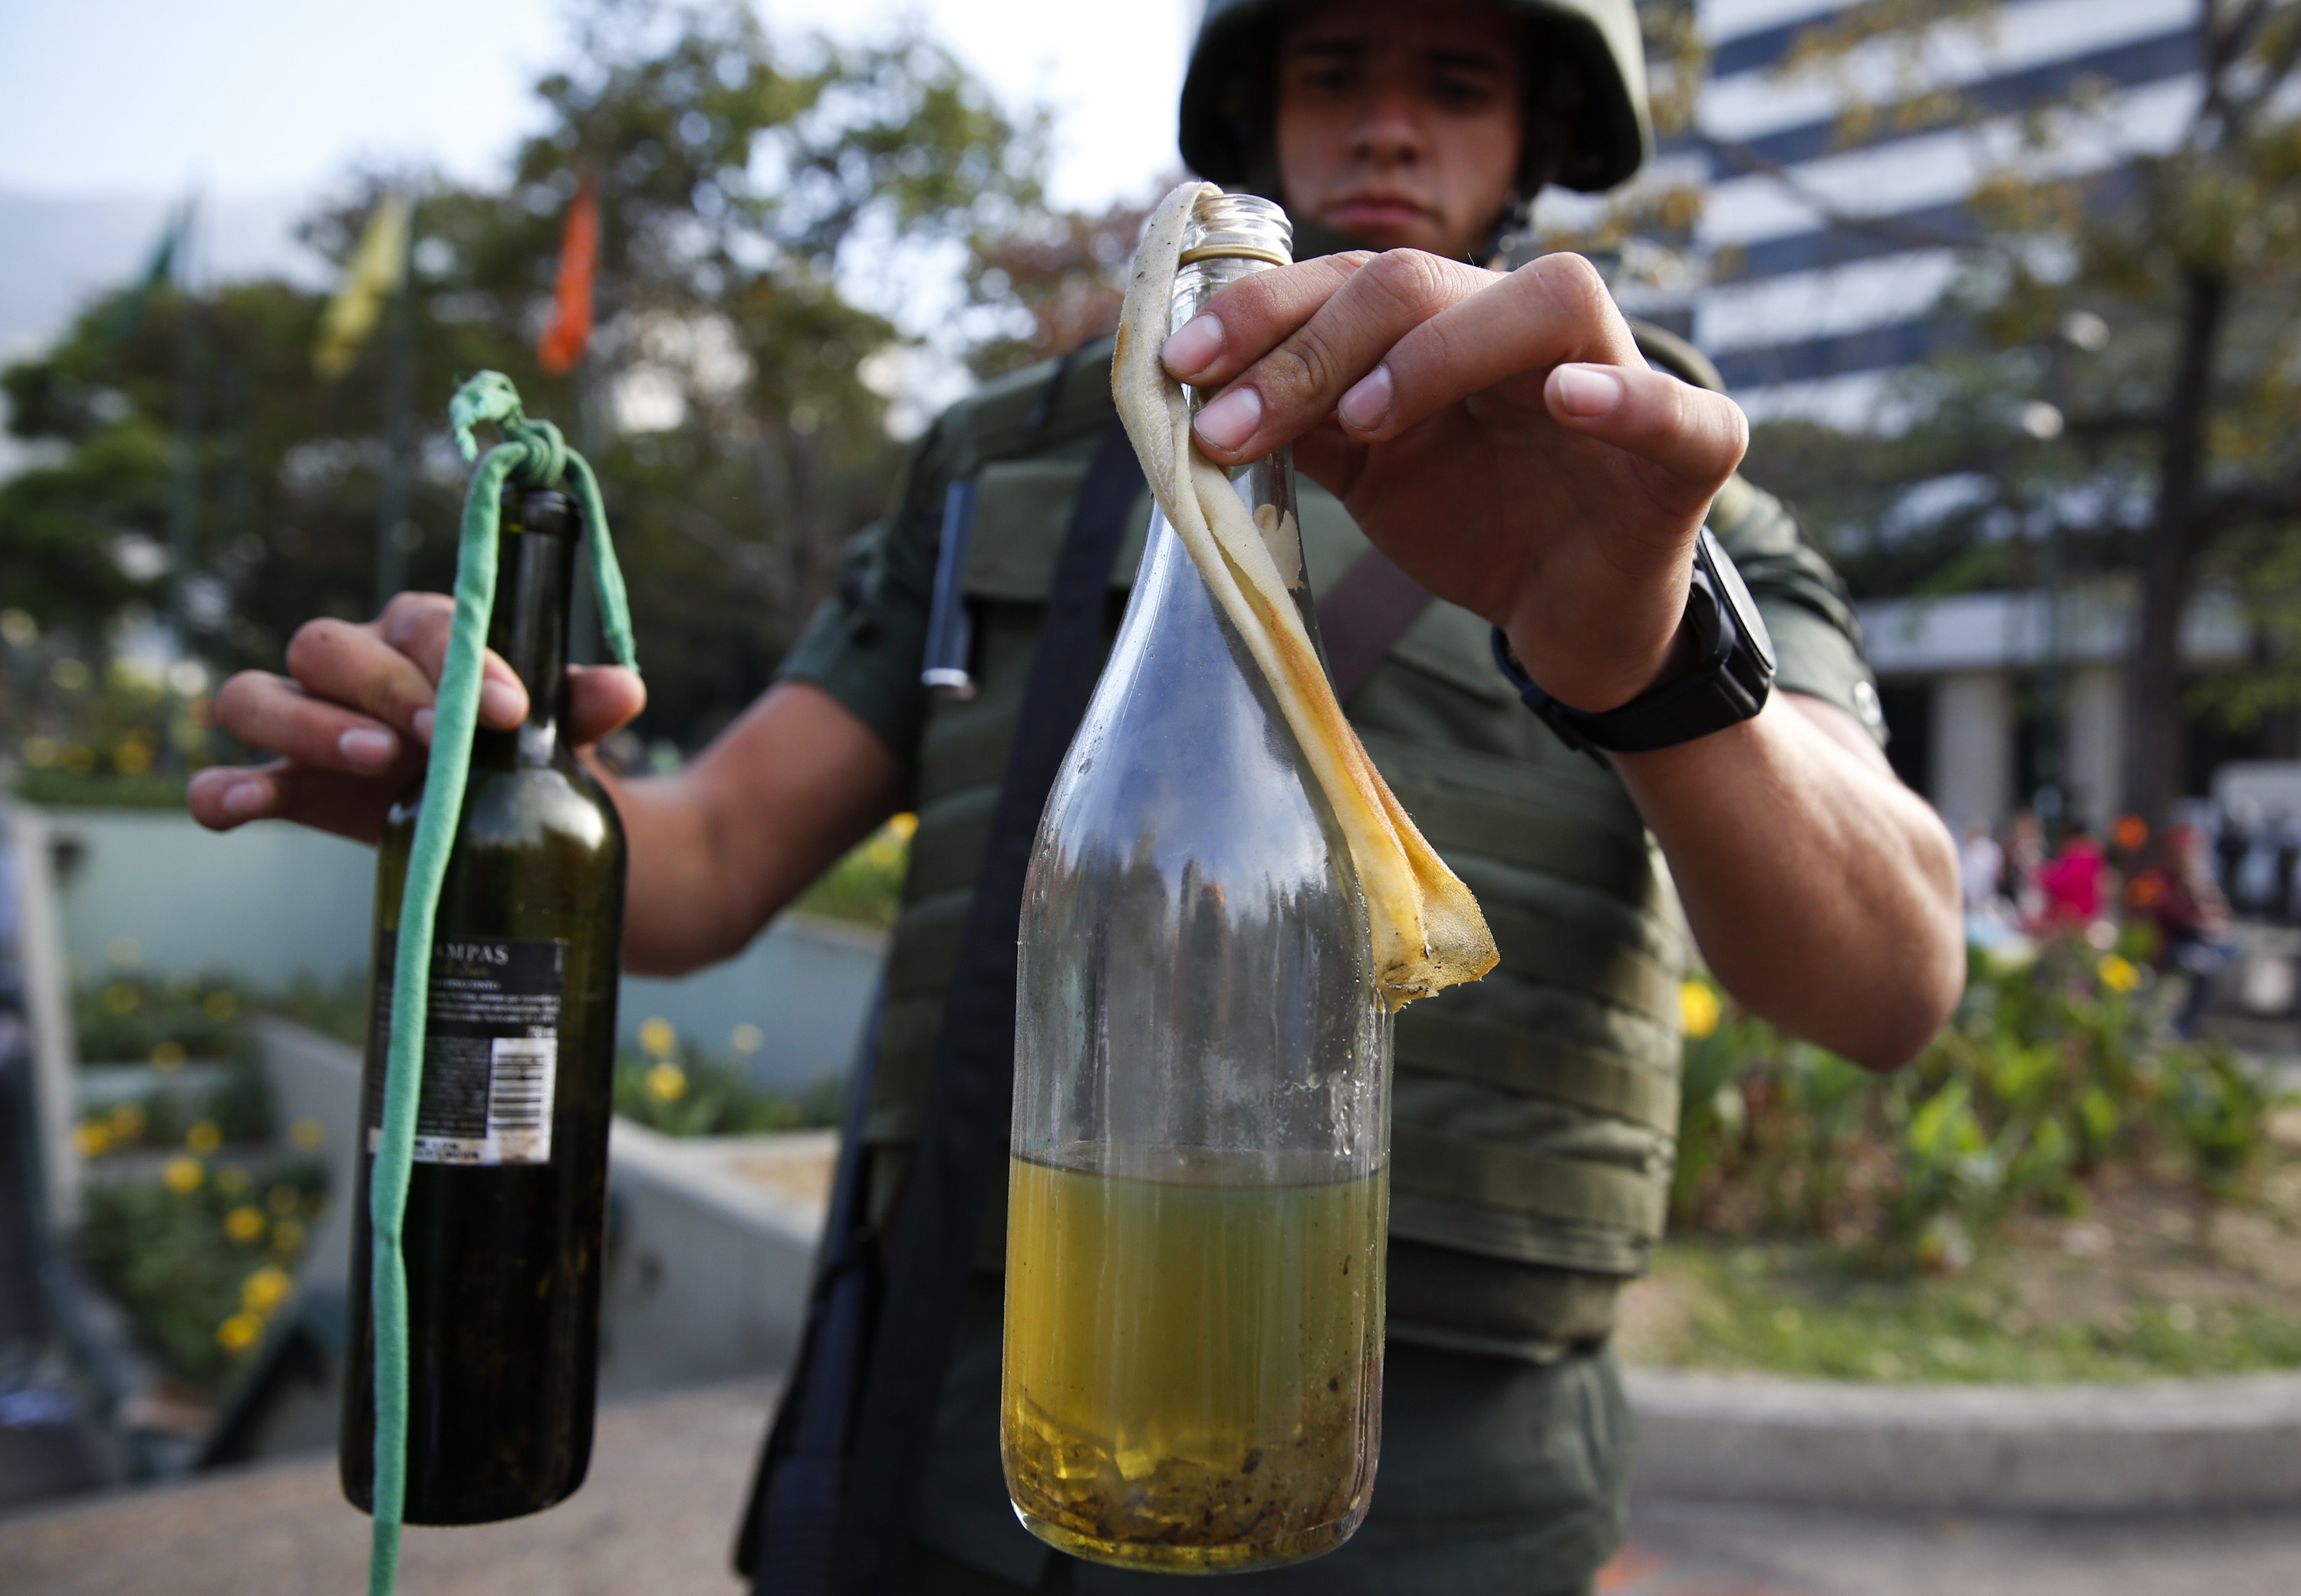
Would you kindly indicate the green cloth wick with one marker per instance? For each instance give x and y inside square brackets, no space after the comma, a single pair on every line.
[532,455]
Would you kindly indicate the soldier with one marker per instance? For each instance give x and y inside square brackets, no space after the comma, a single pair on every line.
[1501,438]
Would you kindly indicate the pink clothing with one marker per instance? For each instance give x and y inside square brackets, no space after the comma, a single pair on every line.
[2071,882]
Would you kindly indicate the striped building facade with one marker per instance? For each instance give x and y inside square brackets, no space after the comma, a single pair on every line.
[1821,257]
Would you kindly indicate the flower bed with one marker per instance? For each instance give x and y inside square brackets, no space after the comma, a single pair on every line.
[2058,1188]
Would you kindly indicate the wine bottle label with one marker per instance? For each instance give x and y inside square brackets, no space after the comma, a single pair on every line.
[491,1049]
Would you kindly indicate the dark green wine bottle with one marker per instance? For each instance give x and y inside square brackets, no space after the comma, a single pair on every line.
[508,1198]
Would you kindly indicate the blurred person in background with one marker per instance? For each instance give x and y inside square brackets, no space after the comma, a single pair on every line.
[1981,883]
[2073,884]
[1528,459]
[2025,857]
[2173,888]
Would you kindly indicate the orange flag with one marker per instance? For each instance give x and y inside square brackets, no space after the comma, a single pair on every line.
[570,330]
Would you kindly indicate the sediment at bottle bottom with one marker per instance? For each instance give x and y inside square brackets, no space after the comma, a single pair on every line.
[1193,1356]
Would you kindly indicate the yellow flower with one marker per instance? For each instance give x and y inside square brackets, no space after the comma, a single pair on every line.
[905,826]
[658,1037]
[220,1006]
[205,1137]
[125,1123]
[283,1200]
[309,1134]
[231,1180]
[244,1224]
[288,1236]
[132,757]
[266,1288]
[92,1139]
[167,1056]
[240,1333]
[119,997]
[666,1082]
[183,1175]
[1697,1008]
[2118,974]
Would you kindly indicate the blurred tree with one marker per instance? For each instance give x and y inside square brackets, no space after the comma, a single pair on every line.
[743,185]
[1063,271]
[2129,398]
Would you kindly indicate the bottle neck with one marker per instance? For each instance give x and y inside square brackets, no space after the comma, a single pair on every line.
[534,582]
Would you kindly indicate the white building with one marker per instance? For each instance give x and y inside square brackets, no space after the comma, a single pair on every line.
[1825,255]
[1964,678]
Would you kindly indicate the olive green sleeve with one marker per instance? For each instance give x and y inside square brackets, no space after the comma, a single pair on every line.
[1816,639]
[865,643]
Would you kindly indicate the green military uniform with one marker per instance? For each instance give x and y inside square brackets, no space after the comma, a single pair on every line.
[1533,1110]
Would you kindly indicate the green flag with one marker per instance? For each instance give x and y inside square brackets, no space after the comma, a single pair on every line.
[130,312]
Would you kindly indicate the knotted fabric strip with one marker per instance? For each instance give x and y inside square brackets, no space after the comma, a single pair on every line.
[1428,931]
[532,455]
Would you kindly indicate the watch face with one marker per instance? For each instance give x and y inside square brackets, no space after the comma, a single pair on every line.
[1737,597]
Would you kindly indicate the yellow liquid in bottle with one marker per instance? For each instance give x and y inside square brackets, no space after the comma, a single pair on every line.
[1193,1358]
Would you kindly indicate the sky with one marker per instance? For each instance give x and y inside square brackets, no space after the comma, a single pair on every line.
[271,99]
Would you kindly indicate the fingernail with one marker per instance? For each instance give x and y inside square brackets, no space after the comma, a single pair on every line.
[421,724]
[500,705]
[1231,420]
[367,747]
[1193,348]
[245,800]
[1367,403]
[1588,390]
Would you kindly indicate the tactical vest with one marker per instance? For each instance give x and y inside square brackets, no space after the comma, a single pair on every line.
[1534,1111]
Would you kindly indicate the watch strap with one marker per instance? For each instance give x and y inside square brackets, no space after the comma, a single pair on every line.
[1728,683]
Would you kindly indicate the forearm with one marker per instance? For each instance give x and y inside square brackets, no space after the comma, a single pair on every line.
[1822,891]
[719,849]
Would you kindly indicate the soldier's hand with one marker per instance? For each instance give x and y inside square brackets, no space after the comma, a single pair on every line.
[352,720]
[1498,435]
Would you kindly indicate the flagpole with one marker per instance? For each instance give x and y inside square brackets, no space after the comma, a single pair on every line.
[396,531]
[184,477]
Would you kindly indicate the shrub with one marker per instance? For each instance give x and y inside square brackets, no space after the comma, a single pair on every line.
[2057,1065]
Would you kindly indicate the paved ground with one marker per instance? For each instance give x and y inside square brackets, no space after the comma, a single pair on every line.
[668,1477]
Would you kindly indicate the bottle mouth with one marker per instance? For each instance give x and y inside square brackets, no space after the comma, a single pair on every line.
[1238,227]
[545,510]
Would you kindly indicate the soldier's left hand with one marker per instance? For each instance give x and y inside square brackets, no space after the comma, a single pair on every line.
[1498,436]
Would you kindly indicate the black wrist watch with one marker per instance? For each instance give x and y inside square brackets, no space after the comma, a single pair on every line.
[1733,671]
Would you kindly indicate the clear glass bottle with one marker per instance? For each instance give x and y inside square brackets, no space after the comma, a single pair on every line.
[1199,1187]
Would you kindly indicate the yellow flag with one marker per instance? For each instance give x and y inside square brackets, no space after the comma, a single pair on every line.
[372,276]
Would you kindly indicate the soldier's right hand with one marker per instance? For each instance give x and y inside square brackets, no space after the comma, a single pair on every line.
[352,721]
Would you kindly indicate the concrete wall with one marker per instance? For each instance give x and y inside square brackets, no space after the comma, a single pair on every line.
[1973,747]
[267,904]
[706,1270]
[2096,711]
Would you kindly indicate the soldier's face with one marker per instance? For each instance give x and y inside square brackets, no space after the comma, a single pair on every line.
[1400,123]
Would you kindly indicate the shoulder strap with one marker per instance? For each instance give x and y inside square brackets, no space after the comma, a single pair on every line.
[1362,617]
[785,1545]
[964,1133]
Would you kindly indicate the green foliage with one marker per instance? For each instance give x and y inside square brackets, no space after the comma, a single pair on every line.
[133,1019]
[745,186]
[684,1093]
[57,787]
[2055,1068]
[196,1282]
[865,887]
[337,1008]
[1822,1315]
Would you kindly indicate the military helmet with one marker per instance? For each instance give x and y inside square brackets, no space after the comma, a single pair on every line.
[1588,85]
